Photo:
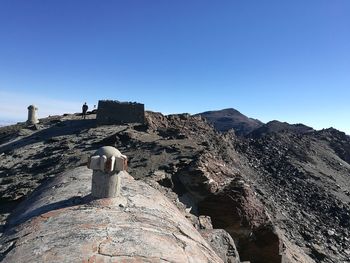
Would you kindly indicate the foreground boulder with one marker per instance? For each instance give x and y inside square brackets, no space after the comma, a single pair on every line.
[60,222]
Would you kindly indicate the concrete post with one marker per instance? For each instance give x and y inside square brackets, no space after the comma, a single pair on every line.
[106,164]
[32,119]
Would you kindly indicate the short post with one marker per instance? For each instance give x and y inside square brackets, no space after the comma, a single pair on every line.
[32,119]
[106,163]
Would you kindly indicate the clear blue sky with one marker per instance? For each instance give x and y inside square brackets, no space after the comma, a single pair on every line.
[285,60]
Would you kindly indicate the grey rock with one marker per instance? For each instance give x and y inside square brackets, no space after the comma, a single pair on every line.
[222,243]
[205,222]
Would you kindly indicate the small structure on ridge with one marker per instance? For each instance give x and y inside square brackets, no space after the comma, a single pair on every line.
[32,118]
[116,112]
[106,164]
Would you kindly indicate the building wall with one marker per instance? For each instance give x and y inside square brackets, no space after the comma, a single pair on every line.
[115,112]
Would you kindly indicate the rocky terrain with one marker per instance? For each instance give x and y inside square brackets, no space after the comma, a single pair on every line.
[5,123]
[303,179]
[281,191]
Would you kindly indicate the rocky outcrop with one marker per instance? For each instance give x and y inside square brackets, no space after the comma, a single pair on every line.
[60,222]
[206,175]
[338,141]
[237,210]
[222,243]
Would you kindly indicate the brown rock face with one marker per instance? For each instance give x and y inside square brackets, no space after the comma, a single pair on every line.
[236,210]
[205,175]
[61,223]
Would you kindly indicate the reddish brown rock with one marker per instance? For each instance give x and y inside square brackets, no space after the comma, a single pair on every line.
[237,210]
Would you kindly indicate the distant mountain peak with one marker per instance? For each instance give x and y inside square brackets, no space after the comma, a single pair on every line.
[230,118]
[227,112]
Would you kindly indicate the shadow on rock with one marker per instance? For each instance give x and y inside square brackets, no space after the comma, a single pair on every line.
[63,128]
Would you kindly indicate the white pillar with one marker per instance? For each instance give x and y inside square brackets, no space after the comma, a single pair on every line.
[106,164]
[32,119]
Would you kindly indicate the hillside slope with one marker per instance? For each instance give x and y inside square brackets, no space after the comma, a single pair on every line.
[303,178]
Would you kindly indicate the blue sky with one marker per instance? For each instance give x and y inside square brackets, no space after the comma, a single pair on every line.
[284,60]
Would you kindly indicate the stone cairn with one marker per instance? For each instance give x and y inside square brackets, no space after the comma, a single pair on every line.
[106,163]
[32,118]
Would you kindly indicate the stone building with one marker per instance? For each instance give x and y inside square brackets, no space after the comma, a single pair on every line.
[116,112]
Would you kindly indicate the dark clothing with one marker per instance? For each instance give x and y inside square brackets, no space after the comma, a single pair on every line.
[84,108]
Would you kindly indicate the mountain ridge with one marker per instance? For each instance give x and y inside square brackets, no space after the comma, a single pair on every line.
[278,189]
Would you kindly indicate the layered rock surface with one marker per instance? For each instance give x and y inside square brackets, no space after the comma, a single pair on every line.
[60,222]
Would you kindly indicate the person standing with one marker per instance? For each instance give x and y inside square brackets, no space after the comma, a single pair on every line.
[84,108]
